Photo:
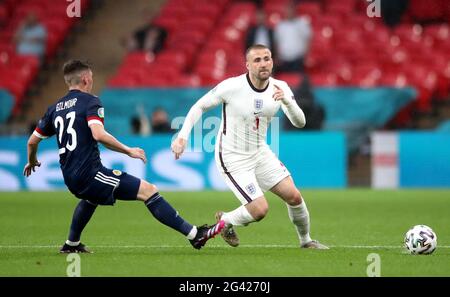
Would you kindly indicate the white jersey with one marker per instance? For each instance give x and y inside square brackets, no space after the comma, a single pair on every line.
[246,113]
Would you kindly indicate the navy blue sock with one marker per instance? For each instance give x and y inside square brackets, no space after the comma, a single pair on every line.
[166,214]
[81,216]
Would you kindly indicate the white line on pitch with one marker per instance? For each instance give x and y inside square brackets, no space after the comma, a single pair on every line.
[273,246]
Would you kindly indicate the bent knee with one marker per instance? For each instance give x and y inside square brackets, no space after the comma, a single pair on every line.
[295,198]
[262,212]
[146,190]
[260,209]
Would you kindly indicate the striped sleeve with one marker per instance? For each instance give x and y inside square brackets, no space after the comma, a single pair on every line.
[95,113]
[38,133]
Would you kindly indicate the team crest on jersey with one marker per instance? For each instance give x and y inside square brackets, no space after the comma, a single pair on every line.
[101,112]
[251,188]
[117,172]
[258,104]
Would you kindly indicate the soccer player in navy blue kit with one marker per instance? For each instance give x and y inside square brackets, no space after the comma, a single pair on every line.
[77,120]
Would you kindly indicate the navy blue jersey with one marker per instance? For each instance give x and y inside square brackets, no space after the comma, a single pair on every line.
[69,119]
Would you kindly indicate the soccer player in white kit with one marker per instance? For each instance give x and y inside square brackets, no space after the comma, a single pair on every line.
[247,164]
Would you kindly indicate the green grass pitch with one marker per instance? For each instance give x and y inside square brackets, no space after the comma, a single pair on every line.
[128,241]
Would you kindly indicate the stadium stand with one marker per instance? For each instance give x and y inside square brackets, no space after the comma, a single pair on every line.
[350,53]
[348,49]
[17,72]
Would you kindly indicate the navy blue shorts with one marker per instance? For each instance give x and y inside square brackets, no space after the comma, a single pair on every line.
[109,185]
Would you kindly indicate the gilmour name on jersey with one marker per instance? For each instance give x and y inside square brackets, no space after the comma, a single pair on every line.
[66,104]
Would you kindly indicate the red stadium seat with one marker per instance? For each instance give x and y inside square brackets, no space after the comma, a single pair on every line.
[122,82]
[170,23]
[4,14]
[324,79]
[179,12]
[198,24]
[394,79]
[292,79]
[175,58]
[235,69]
[342,7]
[187,36]
[409,31]
[187,80]
[154,81]
[210,73]
[6,51]
[311,9]
[365,23]
[216,44]
[427,10]
[140,57]
[366,75]
[440,34]
[332,20]
[210,11]
[188,49]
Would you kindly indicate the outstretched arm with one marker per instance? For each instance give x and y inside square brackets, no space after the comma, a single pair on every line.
[290,108]
[32,148]
[202,105]
[205,103]
[101,135]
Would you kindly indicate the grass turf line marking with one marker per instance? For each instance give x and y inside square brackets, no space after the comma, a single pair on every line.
[214,246]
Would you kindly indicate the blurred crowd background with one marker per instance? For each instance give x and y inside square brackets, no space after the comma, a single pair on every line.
[354,65]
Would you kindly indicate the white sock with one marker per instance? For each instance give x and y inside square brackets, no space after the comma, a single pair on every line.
[192,233]
[238,217]
[299,215]
[72,243]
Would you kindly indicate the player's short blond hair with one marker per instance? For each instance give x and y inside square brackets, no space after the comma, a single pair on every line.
[255,47]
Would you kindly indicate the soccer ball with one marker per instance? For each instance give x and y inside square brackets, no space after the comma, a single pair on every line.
[420,239]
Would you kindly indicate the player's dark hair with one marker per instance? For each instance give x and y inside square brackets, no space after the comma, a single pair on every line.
[255,46]
[72,66]
[72,70]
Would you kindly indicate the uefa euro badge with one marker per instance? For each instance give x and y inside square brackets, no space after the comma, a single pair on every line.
[117,172]
[258,104]
[101,112]
[251,189]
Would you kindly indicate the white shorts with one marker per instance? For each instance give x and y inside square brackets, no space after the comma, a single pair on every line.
[250,176]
